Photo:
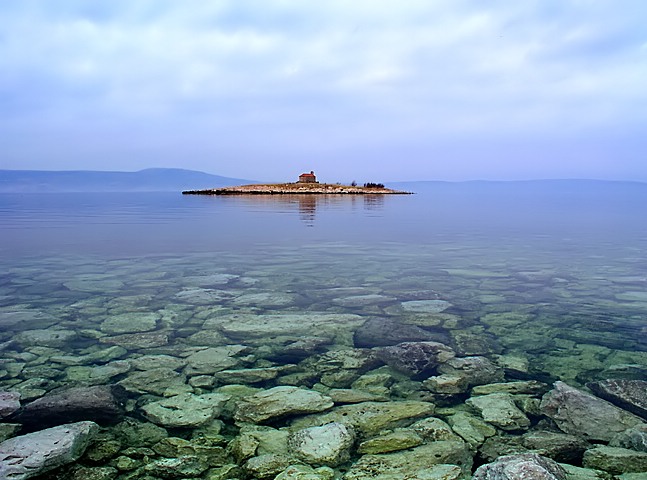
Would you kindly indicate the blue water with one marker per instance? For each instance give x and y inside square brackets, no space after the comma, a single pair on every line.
[567,257]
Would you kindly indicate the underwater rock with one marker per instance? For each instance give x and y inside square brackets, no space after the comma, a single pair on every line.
[349,395]
[529,387]
[425,306]
[148,362]
[132,322]
[561,447]
[415,358]
[202,296]
[630,395]
[267,466]
[615,460]
[500,410]
[186,466]
[362,300]
[136,341]
[11,317]
[433,429]
[582,414]
[382,332]
[327,445]
[54,338]
[398,439]
[266,299]
[185,410]
[280,402]
[103,355]
[371,418]
[356,359]
[99,375]
[135,433]
[214,359]
[247,375]
[634,438]
[9,403]
[443,459]
[273,328]
[459,374]
[156,381]
[35,453]
[471,429]
[525,466]
[103,404]
[93,473]
[306,472]
[295,350]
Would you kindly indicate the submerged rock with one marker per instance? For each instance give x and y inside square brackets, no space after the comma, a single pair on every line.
[442,459]
[328,444]
[9,403]
[103,404]
[415,358]
[185,410]
[280,402]
[398,439]
[381,332]
[615,460]
[561,447]
[500,410]
[371,418]
[130,323]
[524,466]
[630,395]
[582,414]
[634,438]
[55,338]
[36,453]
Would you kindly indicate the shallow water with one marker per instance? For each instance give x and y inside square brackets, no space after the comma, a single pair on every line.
[553,275]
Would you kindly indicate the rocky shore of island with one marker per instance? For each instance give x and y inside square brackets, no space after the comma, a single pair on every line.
[298,189]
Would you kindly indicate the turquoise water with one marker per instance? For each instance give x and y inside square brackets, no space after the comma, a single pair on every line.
[551,277]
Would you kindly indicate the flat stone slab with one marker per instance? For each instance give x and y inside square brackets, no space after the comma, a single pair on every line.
[500,410]
[615,460]
[328,444]
[36,453]
[262,327]
[185,410]
[9,403]
[371,418]
[130,323]
[582,414]
[280,402]
[442,459]
[627,394]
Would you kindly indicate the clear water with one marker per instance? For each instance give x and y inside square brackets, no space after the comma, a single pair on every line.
[552,273]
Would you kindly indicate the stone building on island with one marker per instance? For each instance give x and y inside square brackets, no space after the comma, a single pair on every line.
[307,178]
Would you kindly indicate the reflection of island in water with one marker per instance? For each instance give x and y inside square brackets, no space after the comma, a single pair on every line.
[307,205]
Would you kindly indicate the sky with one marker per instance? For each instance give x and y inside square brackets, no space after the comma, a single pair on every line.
[364,90]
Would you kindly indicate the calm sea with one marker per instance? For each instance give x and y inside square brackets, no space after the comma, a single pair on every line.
[552,273]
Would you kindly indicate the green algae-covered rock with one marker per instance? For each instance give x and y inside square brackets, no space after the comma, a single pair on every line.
[138,434]
[156,381]
[371,418]
[186,466]
[472,429]
[615,460]
[436,460]
[267,466]
[499,410]
[399,439]
[185,410]
[130,323]
[214,359]
[327,445]
[306,472]
[280,402]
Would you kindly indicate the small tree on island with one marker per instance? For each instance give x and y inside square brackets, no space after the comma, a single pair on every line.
[373,185]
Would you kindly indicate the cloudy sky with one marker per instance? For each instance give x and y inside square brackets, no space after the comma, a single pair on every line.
[366,90]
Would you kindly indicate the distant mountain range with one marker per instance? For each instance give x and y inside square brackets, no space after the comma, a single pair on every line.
[149,180]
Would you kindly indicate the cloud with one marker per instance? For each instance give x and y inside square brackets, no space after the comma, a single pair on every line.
[284,79]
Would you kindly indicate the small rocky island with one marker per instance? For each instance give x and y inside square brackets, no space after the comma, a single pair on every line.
[307,184]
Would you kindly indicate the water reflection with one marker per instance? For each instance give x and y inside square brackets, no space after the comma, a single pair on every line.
[307,205]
